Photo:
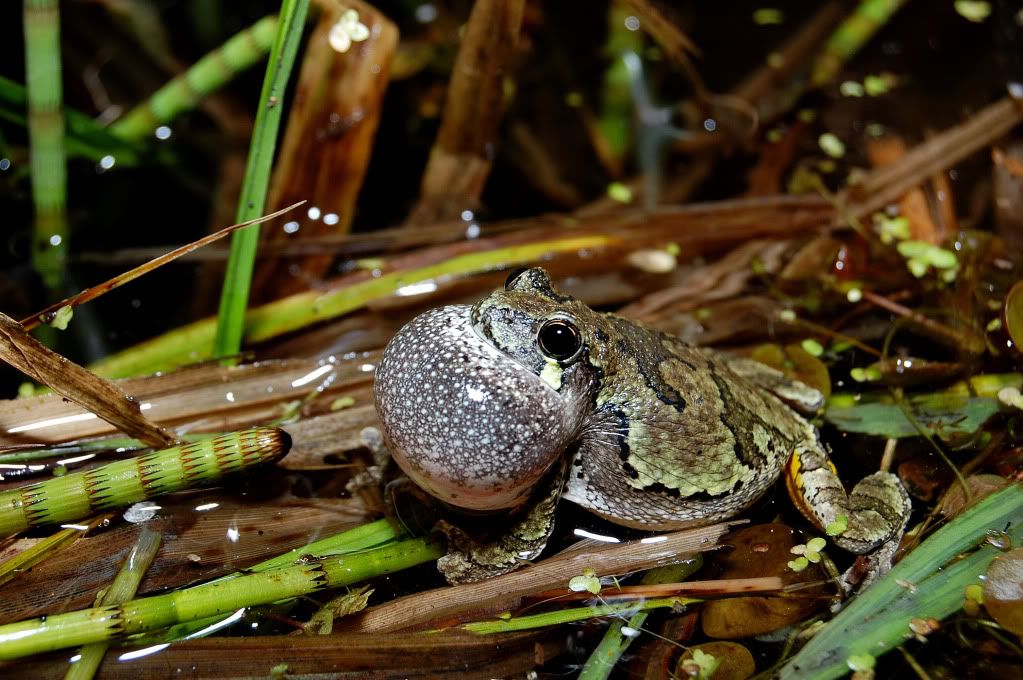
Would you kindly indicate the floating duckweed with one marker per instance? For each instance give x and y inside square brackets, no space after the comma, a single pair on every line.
[574,99]
[975,592]
[921,256]
[26,390]
[854,295]
[706,663]
[993,325]
[1011,396]
[775,60]
[587,582]
[674,248]
[787,315]
[816,544]
[812,347]
[851,88]
[892,228]
[809,551]
[617,191]
[973,10]
[703,313]
[504,616]
[827,166]
[347,30]
[838,527]
[766,16]
[807,115]
[62,317]
[342,403]
[865,374]
[774,135]
[799,564]
[831,145]
[878,85]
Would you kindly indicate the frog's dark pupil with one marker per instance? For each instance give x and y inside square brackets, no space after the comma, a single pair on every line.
[559,339]
[512,275]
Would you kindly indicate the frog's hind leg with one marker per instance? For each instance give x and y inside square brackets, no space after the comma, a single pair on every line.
[796,394]
[872,516]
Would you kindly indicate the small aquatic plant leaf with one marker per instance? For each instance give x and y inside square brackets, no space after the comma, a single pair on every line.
[959,416]
[719,660]
[1013,313]
[1003,591]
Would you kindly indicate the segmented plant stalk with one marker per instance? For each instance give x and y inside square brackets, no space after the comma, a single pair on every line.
[868,18]
[149,613]
[205,76]
[46,138]
[123,588]
[78,495]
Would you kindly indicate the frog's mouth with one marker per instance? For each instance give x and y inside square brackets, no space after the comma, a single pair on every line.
[466,422]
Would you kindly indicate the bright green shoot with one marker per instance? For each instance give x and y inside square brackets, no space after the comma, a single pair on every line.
[219,597]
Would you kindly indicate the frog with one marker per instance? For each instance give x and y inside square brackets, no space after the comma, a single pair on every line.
[505,407]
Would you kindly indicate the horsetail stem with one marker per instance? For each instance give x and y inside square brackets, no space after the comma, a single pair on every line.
[149,613]
[205,76]
[78,495]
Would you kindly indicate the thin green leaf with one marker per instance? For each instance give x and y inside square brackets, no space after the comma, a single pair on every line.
[235,295]
[923,585]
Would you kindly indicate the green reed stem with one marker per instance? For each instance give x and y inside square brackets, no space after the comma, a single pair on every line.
[124,587]
[603,658]
[83,138]
[149,613]
[78,495]
[571,615]
[194,342]
[361,537]
[207,75]
[234,297]
[850,36]
[46,138]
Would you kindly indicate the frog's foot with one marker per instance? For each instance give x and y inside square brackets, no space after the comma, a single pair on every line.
[874,514]
[373,475]
[470,560]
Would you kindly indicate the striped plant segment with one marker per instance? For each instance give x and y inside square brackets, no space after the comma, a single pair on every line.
[46,137]
[149,613]
[78,495]
[205,76]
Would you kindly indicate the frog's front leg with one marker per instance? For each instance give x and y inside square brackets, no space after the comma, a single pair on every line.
[871,519]
[469,560]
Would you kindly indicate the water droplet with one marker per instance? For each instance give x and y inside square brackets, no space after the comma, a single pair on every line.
[162,132]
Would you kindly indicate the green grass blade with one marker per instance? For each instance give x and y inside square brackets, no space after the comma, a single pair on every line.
[205,76]
[923,585]
[572,615]
[81,494]
[124,587]
[235,295]
[149,613]
[47,162]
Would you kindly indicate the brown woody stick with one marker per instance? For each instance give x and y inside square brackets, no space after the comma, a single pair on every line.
[461,157]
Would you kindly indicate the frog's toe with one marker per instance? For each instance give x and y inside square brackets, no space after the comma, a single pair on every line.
[879,509]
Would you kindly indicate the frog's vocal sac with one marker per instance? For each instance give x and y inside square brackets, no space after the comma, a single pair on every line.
[478,404]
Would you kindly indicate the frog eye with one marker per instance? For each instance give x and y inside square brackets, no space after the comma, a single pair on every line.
[559,339]
[512,276]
